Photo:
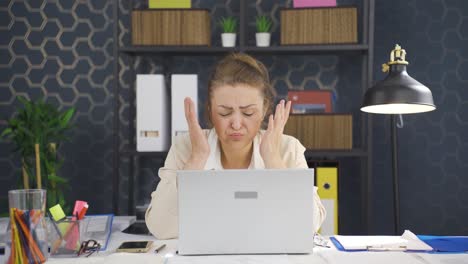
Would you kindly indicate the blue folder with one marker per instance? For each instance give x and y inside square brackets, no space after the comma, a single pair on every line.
[446,244]
[440,244]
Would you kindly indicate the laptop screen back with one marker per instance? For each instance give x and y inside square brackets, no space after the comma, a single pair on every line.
[245,211]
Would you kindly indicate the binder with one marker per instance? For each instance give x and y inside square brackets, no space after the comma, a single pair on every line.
[327,183]
[182,85]
[152,118]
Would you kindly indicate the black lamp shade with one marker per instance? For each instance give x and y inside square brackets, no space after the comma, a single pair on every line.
[398,93]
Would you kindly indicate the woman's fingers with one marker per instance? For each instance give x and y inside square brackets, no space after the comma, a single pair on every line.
[190,112]
[287,111]
[282,113]
[187,109]
[270,123]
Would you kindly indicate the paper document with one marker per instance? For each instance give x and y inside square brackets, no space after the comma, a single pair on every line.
[407,241]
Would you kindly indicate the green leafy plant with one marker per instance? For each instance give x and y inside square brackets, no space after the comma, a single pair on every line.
[37,130]
[263,24]
[228,24]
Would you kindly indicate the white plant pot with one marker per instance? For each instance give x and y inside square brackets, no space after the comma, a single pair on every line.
[263,39]
[228,39]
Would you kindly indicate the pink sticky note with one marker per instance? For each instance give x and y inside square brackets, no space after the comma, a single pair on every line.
[313,3]
[79,205]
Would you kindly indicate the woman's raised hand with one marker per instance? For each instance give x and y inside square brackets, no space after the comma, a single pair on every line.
[271,140]
[200,146]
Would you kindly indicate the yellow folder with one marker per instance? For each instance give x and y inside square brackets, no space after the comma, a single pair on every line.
[327,183]
[169,3]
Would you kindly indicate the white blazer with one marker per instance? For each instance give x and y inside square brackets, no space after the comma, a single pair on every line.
[162,214]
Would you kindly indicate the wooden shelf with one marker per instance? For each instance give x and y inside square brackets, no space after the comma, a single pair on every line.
[308,153]
[277,50]
[177,50]
[301,49]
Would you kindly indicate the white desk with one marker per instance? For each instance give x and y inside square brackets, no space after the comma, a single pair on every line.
[320,255]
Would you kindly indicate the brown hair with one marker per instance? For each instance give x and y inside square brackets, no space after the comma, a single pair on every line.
[240,68]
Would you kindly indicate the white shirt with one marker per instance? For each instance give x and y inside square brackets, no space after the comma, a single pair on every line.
[162,214]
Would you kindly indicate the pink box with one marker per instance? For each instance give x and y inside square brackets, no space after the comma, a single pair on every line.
[313,3]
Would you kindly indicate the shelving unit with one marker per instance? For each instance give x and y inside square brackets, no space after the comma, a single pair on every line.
[364,49]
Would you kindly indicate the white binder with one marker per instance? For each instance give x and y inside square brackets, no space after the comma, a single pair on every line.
[152,113]
[183,85]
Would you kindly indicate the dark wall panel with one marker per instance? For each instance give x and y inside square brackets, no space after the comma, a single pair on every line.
[432,146]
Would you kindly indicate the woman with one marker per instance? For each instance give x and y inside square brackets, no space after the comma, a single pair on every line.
[240,98]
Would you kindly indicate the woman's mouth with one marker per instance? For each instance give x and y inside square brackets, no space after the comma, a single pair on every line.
[236,136]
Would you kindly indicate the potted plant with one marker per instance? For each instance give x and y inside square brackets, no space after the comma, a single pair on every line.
[37,131]
[263,34]
[229,27]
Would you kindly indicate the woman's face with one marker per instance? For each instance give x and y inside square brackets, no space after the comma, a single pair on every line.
[237,113]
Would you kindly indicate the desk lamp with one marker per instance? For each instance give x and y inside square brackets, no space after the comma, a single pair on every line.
[397,94]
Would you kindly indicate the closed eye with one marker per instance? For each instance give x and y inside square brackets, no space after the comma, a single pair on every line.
[248,114]
[224,114]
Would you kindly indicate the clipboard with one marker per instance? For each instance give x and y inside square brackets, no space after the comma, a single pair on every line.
[407,242]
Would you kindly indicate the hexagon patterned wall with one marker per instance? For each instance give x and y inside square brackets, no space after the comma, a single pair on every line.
[63,50]
[432,146]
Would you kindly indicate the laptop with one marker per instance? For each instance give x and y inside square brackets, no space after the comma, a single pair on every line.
[245,211]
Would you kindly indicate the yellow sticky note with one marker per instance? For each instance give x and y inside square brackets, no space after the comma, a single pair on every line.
[57,212]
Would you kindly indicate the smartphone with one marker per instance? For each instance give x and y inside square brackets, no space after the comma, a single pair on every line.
[135,246]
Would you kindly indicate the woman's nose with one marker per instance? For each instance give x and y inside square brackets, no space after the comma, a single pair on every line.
[236,122]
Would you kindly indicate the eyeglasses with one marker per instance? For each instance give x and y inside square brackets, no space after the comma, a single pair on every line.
[89,247]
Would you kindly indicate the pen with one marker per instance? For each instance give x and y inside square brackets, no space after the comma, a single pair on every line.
[55,225]
[159,248]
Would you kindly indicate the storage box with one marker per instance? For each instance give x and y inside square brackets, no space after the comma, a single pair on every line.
[311,101]
[327,25]
[322,131]
[182,27]
[311,3]
[169,3]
